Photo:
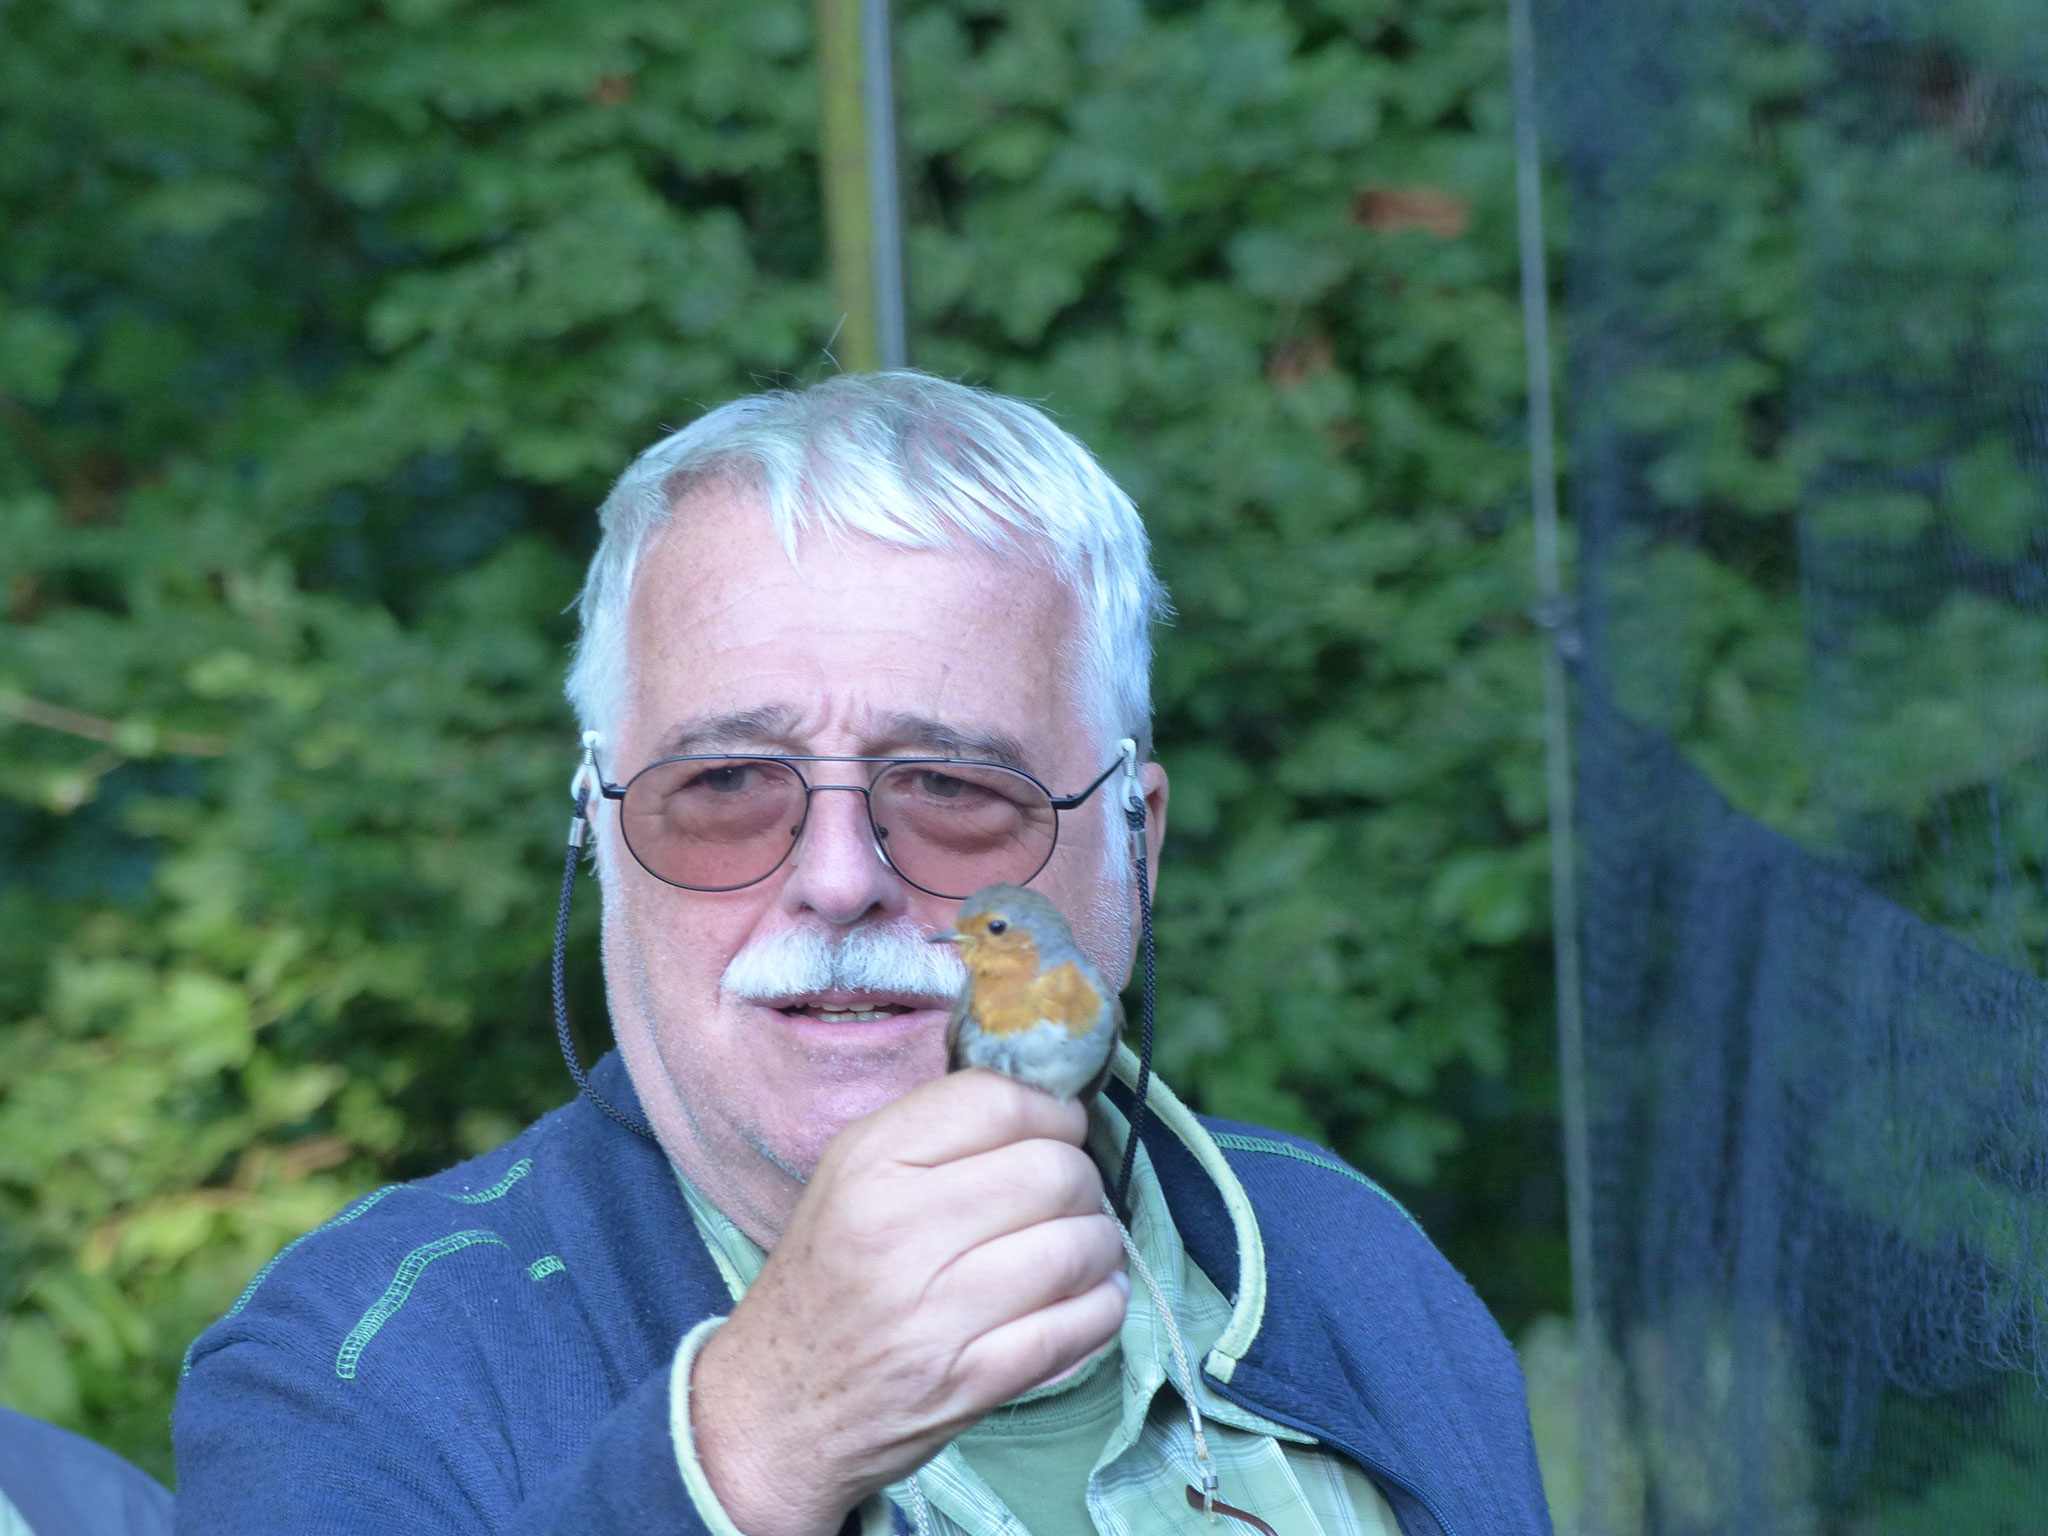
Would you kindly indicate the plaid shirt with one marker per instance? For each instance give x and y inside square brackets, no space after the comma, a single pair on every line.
[1140,1481]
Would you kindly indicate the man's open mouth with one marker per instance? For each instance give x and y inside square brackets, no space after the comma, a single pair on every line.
[843,1009]
[843,1015]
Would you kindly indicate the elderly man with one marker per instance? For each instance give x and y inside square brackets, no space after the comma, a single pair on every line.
[849,654]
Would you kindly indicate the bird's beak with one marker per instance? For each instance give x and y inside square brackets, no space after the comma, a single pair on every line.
[945,936]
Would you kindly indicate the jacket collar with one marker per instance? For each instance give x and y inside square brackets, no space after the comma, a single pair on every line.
[1211,1210]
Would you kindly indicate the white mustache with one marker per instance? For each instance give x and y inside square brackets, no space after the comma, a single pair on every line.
[874,957]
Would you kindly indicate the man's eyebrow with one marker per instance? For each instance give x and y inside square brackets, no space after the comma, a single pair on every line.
[923,735]
[720,733]
[772,728]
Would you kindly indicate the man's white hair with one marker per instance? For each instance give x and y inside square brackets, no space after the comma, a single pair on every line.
[914,461]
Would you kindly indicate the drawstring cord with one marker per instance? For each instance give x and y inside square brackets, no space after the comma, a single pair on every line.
[1134,818]
[920,1507]
[1115,1207]
[1180,1357]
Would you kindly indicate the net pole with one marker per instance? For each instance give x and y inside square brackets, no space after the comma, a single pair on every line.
[885,215]
[857,154]
[1558,635]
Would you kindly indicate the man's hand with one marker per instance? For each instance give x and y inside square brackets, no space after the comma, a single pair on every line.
[949,1253]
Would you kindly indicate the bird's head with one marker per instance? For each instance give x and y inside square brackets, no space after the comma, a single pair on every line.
[1005,923]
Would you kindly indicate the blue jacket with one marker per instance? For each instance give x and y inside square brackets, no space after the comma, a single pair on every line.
[61,1484]
[488,1350]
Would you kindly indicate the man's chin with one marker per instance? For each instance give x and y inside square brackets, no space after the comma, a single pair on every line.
[836,1073]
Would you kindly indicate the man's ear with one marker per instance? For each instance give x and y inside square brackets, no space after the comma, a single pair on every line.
[1152,780]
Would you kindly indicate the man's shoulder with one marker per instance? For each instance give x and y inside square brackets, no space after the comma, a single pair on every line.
[572,1231]
[1327,1229]
[1319,1219]
[455,1342]
[341,1282]
[1292,1180]
[1370,1338]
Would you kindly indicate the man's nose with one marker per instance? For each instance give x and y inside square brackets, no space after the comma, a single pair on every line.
[836,871]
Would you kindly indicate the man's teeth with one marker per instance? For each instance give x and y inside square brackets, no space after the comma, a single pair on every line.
[852,1015]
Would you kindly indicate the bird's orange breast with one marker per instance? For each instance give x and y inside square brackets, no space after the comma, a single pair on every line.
[1012,995]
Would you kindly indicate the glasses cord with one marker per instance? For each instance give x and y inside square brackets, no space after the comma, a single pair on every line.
[578,825]
[1134,816]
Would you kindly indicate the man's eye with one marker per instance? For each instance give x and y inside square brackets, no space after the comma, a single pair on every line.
[723,781]
[941,786]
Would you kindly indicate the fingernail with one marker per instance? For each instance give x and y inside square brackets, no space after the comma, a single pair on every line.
[1121,1281]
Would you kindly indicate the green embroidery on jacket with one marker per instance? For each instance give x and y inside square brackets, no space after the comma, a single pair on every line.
[400,1288]
[263,1274]
[547,1264]
[497,1191]
[1237,1143]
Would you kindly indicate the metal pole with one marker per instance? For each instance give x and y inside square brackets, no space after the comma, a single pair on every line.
[1552,615]
[857,146]
[885,214]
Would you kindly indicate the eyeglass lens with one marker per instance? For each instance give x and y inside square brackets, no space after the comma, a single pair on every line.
[716,824]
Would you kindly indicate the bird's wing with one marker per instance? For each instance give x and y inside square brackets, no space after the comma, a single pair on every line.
[1116,1033]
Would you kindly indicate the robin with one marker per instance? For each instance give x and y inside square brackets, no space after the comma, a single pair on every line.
[1034,1007]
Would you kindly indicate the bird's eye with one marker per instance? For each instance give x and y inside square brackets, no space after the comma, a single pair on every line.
[997,925]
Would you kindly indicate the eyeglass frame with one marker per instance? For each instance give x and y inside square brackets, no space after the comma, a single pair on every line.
[878,837]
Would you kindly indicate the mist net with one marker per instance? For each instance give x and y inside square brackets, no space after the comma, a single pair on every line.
[1807,320]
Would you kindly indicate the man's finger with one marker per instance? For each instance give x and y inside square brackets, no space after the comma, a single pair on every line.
[1018,1355]
[1022,1272]
[981,1197]
[963,1113]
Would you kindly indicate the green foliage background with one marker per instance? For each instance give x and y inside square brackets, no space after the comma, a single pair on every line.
[323,327]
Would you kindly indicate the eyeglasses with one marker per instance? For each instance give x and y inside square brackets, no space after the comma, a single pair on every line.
[708,822]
